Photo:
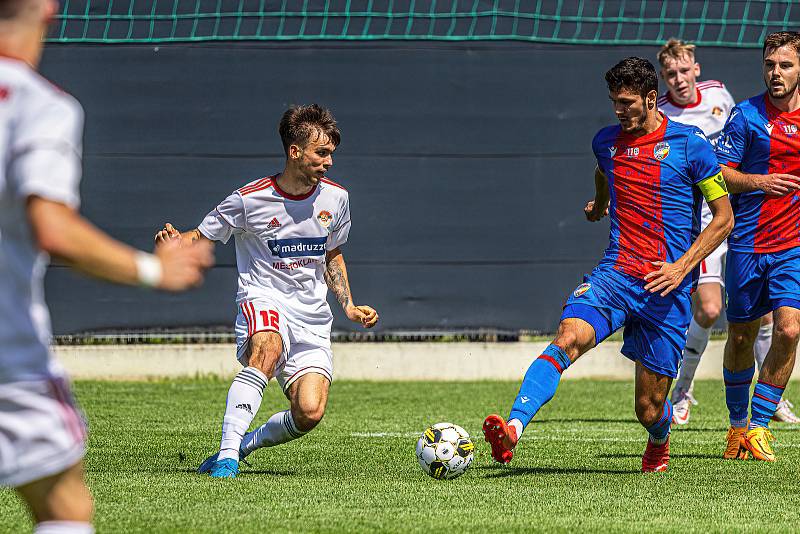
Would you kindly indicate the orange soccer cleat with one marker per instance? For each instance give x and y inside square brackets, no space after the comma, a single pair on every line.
[757,442]
[501,436]
[734,449]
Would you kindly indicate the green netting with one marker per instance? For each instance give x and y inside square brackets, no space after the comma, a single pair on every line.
[741,23]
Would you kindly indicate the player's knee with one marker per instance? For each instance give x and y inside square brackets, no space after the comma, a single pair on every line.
[787,333]
[309,416]
[709,313]
[741,341]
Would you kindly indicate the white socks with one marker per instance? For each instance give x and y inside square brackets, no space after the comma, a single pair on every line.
[278,429]
[244,400]
[763,342]
[696,343]
[63,527]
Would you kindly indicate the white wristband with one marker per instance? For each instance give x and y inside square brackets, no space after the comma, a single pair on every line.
[148,268]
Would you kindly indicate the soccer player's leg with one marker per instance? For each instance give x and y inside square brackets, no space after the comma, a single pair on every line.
[60,502]
[588,318]
[707,308]
[305,377]
[654,412]
[654,338]
[748,301]
[784,293]
[261,345]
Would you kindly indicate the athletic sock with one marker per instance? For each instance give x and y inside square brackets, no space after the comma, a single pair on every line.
[737,394]
[659,432]
[63,527]
[279,428]
[696,343]
[763,342]
[765,401]
[244,399]
[539,384]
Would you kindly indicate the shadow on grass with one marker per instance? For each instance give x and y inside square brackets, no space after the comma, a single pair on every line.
[586,420]
[244,473]
[499,471]
[676,456]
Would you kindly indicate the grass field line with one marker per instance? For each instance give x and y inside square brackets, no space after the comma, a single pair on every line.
[553,436]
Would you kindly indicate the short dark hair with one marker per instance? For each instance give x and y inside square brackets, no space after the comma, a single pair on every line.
[300,124]
[779,39]
[634,74]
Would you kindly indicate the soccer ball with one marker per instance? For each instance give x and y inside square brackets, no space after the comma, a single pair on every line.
[444,451]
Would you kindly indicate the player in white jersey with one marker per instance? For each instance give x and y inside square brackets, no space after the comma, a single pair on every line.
[42,433]
[288,229]
[705,104]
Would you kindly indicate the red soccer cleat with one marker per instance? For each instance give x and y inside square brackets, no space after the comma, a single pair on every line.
[501,437]
[656,457]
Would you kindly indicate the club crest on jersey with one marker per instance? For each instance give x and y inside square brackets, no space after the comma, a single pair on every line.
[717,111]
[325,218]
[661,150]
[581,289]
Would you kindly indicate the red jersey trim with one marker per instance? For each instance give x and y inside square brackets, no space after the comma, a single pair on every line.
[334,184]
[668,95]
[289,196]
[258,185]
[774,112]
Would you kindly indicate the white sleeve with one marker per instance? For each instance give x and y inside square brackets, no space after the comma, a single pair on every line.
[225,220]
[341,229]
[45,157]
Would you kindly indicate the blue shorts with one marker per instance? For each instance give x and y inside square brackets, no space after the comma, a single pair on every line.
[655,326]
[759,283]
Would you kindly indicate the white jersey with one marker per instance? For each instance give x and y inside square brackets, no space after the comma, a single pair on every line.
[40,137]
[709,113]
[281,242]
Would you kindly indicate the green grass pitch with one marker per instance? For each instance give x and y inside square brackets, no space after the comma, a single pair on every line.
[577,467]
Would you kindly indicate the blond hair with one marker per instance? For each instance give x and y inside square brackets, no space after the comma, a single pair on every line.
[675,49]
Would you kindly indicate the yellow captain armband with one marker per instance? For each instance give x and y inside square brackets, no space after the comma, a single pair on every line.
[713,187]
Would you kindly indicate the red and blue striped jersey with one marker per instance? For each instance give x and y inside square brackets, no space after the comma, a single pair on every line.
[761,139]
[654,208]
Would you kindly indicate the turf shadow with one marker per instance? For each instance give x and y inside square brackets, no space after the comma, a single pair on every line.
[678,456]
[586,420]
[499,472]
[245,473]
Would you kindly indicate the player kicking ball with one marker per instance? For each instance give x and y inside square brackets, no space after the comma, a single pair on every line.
[288,229]
[649,171]
[760,155]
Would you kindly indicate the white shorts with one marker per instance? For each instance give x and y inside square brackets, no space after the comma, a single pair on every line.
[712,268]
[42,433]
[303,350]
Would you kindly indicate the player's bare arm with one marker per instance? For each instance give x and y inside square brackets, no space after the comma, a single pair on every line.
[62,232]
[670,275]
[336,278]
[775,184]
[170,233]
[598,208]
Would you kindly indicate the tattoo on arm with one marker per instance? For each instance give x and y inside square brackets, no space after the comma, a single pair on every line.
[336,278]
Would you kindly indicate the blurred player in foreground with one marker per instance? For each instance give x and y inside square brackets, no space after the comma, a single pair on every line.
[706,105]
[42,434]
[760,156]
[288,228]
[651,171]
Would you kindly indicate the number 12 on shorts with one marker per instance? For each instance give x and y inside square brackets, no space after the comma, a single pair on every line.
[260,319]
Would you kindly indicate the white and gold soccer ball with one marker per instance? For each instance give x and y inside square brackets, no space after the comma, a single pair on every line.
[444,451]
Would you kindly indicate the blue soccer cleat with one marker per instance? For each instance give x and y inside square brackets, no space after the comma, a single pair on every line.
[227,468]
[207,464]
